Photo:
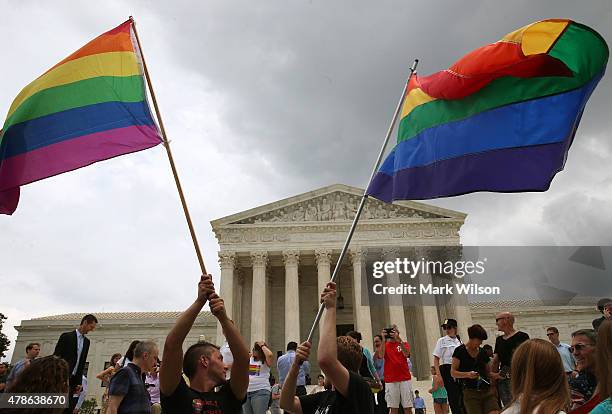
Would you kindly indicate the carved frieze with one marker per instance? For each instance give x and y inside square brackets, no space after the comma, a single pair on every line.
[337,206]
[323,233]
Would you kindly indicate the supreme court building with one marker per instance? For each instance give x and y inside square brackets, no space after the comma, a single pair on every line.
[275,260]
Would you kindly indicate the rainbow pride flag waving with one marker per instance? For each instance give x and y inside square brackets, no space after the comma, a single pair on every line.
[89,107]
[500,119]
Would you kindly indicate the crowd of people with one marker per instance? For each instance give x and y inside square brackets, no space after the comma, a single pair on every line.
[517,375]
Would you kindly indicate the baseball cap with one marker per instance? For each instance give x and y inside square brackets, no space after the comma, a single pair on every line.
[450,323]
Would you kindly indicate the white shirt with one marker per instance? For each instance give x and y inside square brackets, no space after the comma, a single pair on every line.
[444,349]
[80,339]
[259,376]
[83,392]
[228,358]
[123,362]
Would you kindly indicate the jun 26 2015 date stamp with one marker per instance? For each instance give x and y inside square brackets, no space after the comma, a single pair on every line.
[39,400]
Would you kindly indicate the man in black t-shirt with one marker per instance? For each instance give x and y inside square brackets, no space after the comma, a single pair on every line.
[339,358]
[203,364]
[502,355]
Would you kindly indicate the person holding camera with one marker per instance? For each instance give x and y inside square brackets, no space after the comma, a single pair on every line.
[398,387]
[259,390]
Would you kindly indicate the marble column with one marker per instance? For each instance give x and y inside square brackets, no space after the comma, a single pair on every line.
[227,262]
[259,316]
[292,296]
[461,309]
[323,258]
[238,294]
[361,313]
[428,315]
[396,305]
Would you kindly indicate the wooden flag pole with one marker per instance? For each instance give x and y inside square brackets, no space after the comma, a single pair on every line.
[364,197]
[169,152]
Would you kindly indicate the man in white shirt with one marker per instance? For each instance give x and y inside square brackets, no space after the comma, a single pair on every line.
[443,359]
[228,358]
[283,364]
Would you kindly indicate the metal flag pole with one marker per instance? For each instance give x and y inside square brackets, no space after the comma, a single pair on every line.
[170,158]
[364,197]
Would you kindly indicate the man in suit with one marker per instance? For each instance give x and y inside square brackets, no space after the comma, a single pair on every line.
[73,347]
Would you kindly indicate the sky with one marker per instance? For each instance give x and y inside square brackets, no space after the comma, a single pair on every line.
[261,101]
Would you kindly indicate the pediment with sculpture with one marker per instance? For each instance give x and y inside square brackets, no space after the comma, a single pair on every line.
[336,206]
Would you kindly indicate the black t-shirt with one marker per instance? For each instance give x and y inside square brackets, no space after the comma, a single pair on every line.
[359,399]
[467,363]
[185,400]
[597,322]
[504,348]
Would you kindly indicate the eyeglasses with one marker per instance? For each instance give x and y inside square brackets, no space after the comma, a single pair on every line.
[579,347]
[550,334]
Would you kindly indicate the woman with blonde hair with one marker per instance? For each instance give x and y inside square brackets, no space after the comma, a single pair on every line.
[539,383]
[105,377]
[259,390]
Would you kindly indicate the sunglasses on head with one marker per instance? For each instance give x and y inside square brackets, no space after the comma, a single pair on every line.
[579,347]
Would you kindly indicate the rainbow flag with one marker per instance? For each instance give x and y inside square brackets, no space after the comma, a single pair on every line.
[89,107]
[500,119]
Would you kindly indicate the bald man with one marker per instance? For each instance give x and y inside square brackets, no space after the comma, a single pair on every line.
[502,355]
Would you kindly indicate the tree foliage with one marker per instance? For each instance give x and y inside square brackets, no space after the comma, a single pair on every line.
[4,341]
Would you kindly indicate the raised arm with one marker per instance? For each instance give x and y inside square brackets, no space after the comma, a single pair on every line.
[288,400]
[328,346]
[240,367]
[267,353]
[172,360]
[383,345]
[103,376]
[402,345]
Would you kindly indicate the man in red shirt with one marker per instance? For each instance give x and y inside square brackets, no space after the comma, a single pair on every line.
[398,388]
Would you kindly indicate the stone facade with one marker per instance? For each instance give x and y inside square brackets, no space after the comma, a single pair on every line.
[534,317]
[275,260]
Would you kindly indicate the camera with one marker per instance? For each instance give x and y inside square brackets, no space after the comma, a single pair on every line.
[388,332]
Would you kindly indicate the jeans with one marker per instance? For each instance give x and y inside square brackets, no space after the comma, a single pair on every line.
[257,402]
[504,389]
